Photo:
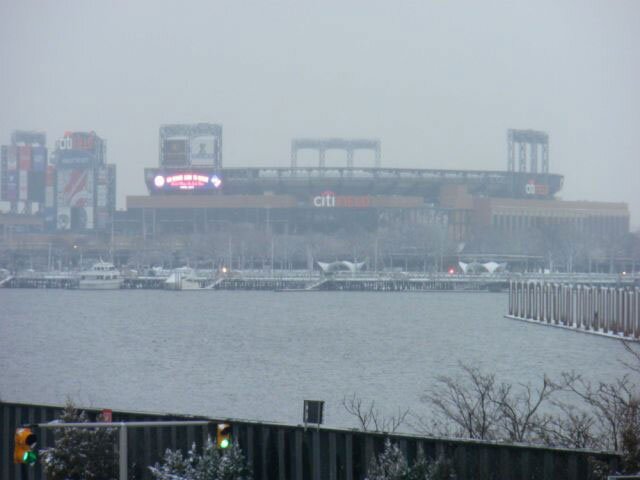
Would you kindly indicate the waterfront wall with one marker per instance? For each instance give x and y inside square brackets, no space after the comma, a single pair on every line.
[612,310]
[292,452]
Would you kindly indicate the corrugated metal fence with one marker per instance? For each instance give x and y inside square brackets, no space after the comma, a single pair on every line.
[283,452]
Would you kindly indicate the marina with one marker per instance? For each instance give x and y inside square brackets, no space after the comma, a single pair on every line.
[185,278]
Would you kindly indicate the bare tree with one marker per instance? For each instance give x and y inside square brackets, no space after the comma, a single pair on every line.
[570,428]
[519,410]
[468,404]
[370,418]
[612,403]
[634,366]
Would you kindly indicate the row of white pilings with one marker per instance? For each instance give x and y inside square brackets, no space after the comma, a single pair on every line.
[602,309]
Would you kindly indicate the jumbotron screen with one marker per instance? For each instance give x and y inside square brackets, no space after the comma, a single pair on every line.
[185,181]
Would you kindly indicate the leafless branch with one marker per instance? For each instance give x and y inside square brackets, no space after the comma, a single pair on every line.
[519,410]
[370,418]
[467,404]
[611,402]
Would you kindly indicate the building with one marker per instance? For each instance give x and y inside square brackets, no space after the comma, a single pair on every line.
[83,187]
[591,219]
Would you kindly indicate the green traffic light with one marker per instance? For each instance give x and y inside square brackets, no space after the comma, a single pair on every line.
[224,443]
[30,457]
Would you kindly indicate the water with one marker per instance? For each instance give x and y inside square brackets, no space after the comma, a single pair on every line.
[258,355]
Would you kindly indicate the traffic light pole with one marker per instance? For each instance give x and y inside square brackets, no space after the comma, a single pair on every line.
[122,431]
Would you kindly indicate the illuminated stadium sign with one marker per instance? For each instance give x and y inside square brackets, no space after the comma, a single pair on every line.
[187,181]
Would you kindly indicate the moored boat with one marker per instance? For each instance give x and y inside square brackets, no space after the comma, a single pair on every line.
[101,276]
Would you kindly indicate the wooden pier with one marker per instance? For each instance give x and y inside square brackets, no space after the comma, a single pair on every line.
[601,308]
[365,282]
[40,282]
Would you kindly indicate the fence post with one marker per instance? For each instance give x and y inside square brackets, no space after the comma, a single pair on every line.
[123,452]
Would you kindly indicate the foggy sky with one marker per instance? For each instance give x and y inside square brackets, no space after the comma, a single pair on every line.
[439,82]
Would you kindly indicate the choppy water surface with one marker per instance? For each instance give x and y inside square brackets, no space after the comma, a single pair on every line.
[257,355]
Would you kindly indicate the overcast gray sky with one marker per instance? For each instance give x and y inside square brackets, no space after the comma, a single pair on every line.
[439,82]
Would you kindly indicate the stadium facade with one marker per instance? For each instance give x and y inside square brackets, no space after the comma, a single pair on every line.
[192,192]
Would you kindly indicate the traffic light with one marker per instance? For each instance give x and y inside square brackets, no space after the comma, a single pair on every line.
[224,435]
[25,442]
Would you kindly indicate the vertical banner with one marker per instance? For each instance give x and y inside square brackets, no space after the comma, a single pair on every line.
[24,158]
[101,188]
[49,198]
[12,186]
[39,159]
[23,185]
[102,181]
[111,180]
[50,217]
[12,158]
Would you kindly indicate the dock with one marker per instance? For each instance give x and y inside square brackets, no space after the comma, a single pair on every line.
[601,306]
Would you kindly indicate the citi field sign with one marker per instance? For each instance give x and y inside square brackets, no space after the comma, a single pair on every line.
[532,188]
[329,199]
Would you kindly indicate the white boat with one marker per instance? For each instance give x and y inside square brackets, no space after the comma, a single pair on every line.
[185,278]
[101,276]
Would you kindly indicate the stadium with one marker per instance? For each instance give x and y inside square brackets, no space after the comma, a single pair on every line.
[191,192]
[197,207]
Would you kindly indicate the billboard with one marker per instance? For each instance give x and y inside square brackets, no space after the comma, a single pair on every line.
[87,141]
[175,152]
[36,186]
[196,144]
[75,198]
[39,159]
[204,150]
[75,187]
[79,149]
[74,159]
